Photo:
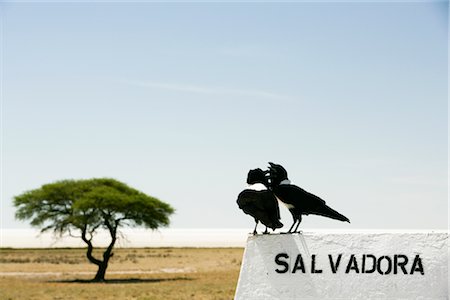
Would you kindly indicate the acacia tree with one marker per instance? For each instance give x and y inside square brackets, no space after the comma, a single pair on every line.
[85,206]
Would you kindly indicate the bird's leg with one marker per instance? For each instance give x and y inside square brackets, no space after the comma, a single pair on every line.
[290,229]
[256,225]
[266,231]
[298,224]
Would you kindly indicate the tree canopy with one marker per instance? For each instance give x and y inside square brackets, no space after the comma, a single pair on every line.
[84,206]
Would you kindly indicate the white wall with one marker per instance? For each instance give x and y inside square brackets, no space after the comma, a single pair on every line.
[269,261]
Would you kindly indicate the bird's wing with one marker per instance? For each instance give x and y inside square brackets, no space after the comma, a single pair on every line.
[292,194]
[261,205]
[307,203]
[250,198]
[271,204]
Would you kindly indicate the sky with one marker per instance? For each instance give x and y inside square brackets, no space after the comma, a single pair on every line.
[180,100]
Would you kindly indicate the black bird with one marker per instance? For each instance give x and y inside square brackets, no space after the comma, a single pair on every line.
[259,202]
[297,200]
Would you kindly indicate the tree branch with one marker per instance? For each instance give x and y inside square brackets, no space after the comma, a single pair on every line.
[90,248]
[113,232]
[72,235]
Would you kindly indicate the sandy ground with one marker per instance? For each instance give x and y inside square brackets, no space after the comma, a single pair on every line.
[148,273]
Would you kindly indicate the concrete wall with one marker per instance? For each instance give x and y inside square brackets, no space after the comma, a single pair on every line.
[408,265]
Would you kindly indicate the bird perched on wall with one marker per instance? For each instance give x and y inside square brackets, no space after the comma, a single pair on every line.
[297,200]
[259,202]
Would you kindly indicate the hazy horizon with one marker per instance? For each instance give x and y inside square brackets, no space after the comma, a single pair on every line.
[164,237]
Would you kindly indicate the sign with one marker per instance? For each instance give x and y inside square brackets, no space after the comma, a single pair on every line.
[345,265]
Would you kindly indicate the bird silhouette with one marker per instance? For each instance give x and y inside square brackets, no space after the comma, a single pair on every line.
[297,200]
[259,202]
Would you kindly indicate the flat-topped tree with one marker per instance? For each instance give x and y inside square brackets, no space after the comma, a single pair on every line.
[85,206]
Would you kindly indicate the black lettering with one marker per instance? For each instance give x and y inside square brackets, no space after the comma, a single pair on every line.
[352,264]
[417,266]
[400,264]
[389,268]
[313,265]
[334,266]
[282,263]
[299,264]
[374,263]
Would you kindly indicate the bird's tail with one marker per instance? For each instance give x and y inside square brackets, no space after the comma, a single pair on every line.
[276,225]
[331,213]
[268,220]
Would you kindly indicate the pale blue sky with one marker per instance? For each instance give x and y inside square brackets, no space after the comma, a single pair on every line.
[181,100]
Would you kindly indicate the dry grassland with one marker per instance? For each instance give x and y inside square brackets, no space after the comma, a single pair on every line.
[149,273]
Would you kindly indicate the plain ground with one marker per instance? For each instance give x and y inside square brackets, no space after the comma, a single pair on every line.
[140,273]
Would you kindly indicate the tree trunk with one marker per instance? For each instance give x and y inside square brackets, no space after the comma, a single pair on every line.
[100,276]
[102,264]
